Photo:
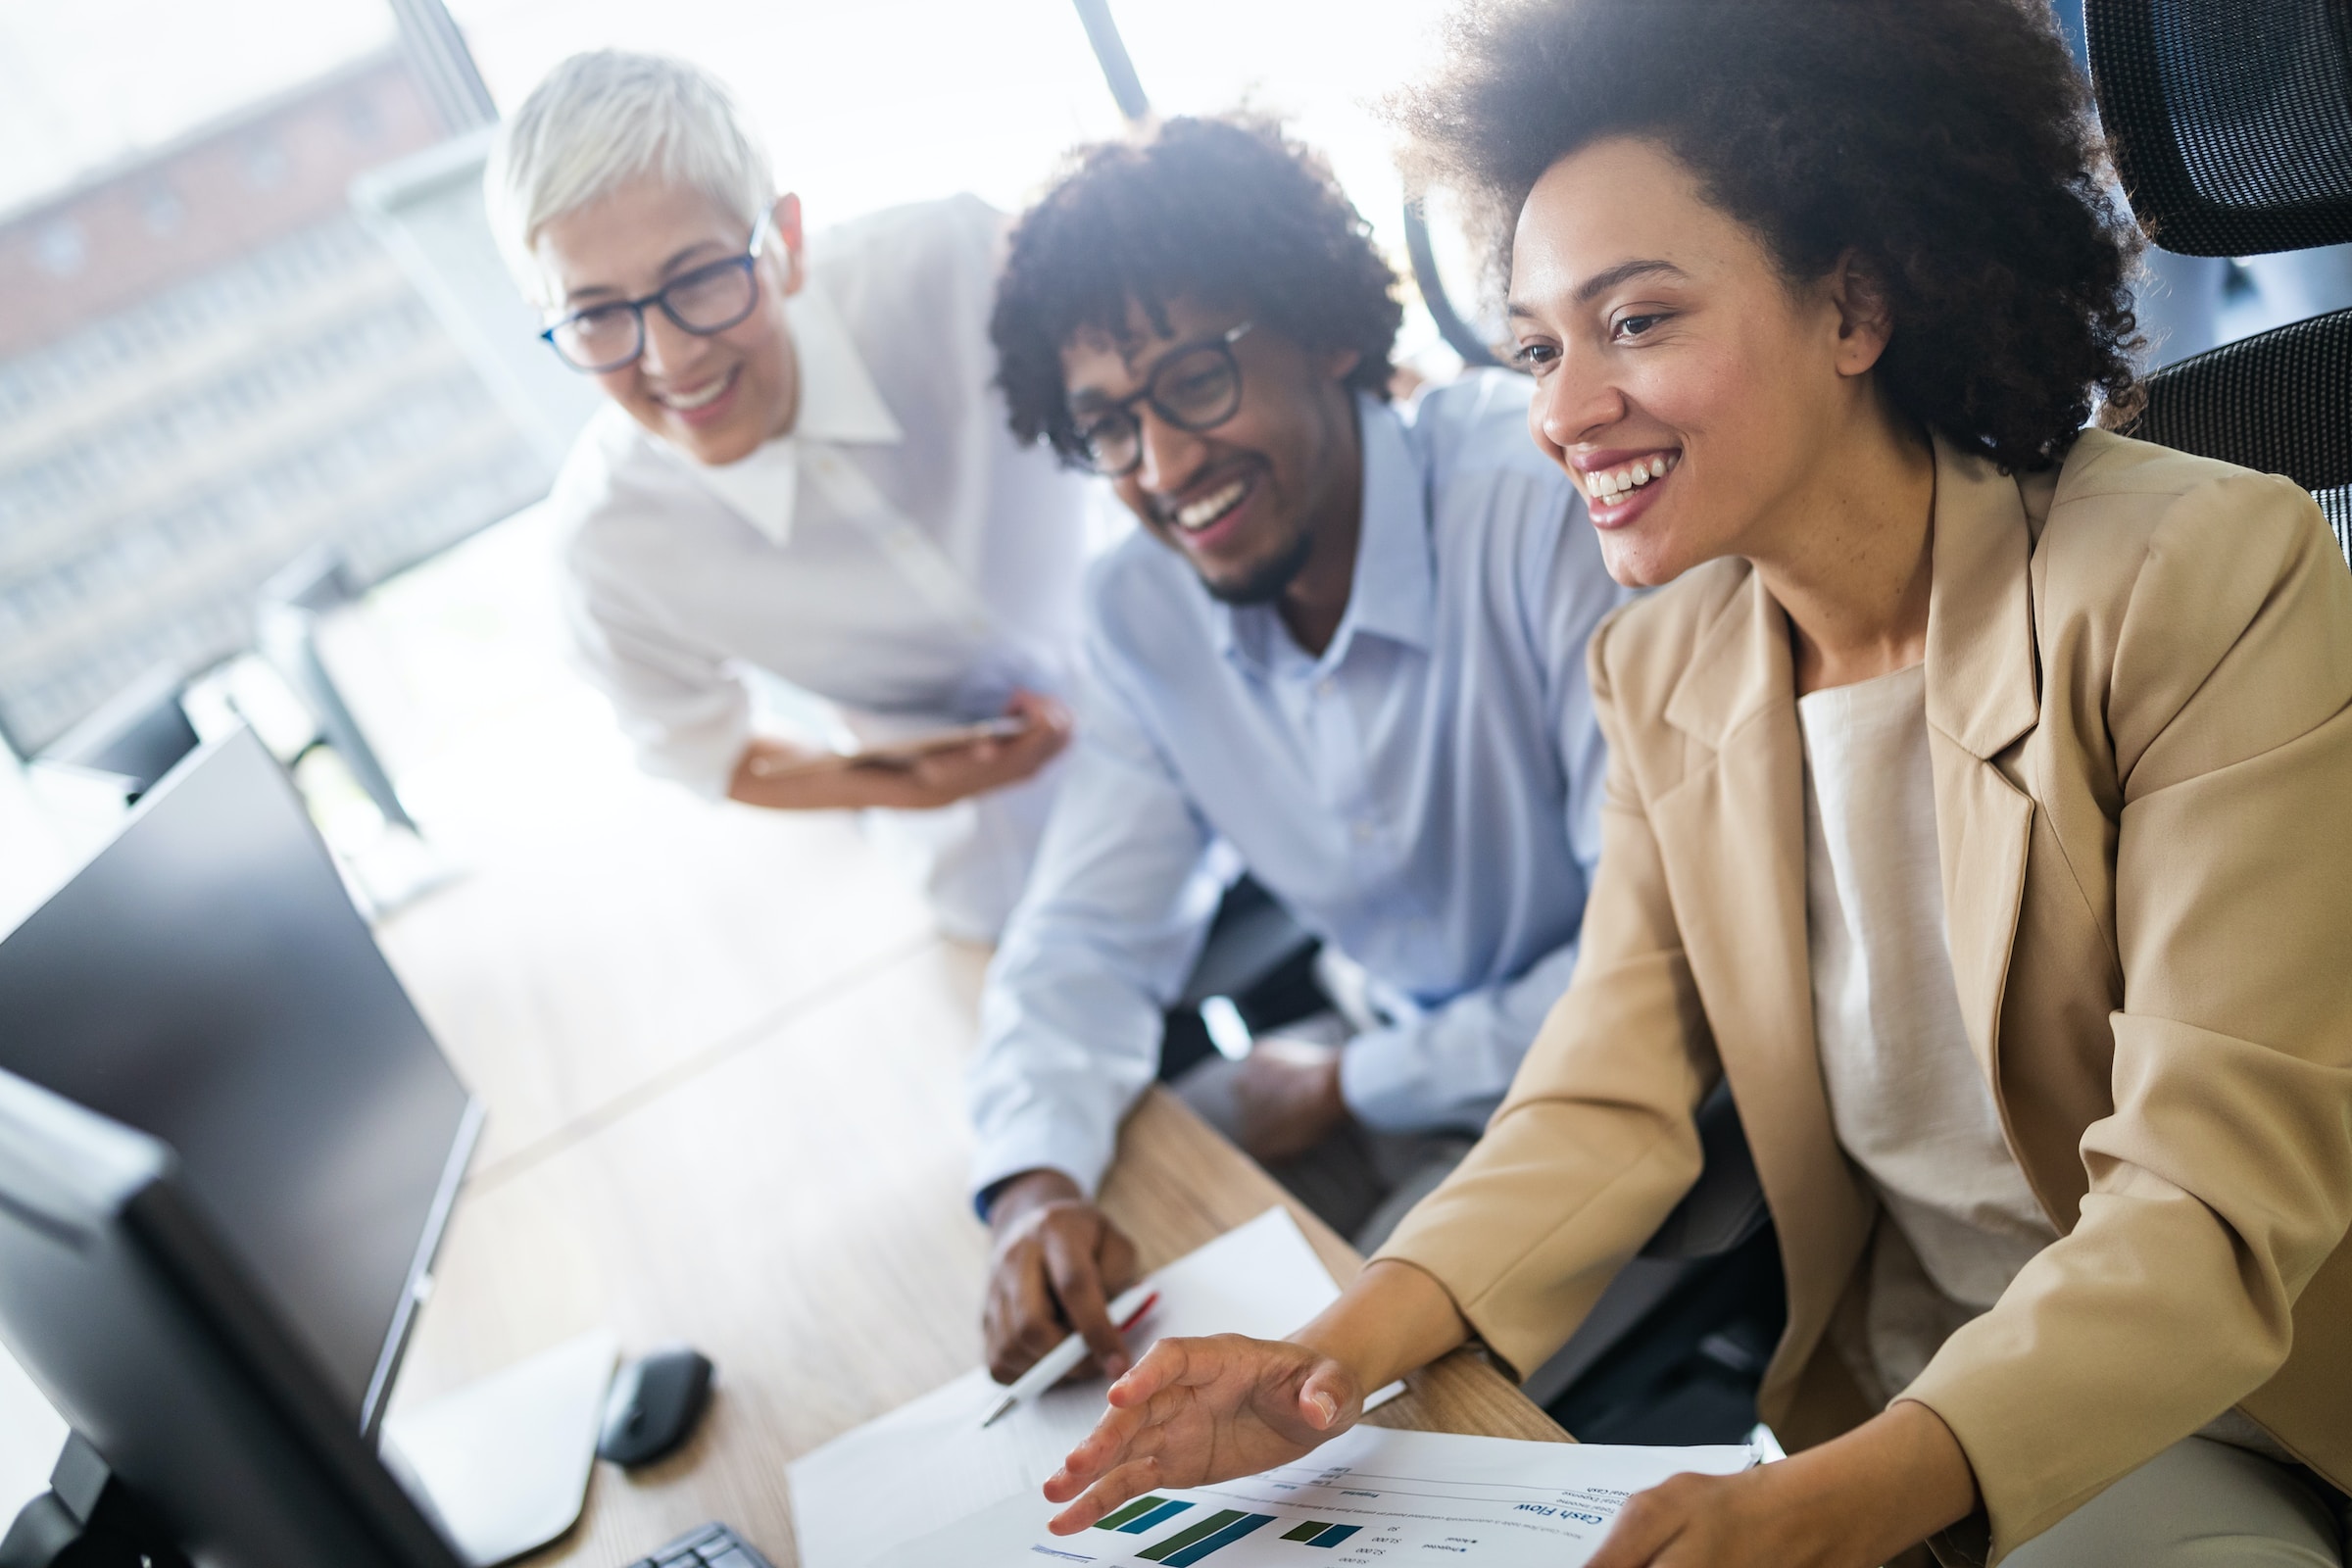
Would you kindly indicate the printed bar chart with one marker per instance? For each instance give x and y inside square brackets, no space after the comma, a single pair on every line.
[1155,1519]
[1214,1543]
[1371,1497]
[1134,1510]
[1182,1539]
[1212,1533]
[1142,1515]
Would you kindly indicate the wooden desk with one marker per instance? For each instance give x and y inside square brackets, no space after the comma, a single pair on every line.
[723,1055]
[814,1238]
[724,1058]
[1177,1184]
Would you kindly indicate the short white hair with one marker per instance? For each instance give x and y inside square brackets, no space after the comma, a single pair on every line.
[602,120]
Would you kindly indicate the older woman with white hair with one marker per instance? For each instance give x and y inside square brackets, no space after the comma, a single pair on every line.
[804,470]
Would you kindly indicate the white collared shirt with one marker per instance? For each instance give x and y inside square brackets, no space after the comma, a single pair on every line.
[897,555]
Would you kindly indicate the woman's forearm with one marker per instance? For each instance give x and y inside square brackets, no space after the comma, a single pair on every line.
[1393,1319]
[770,774]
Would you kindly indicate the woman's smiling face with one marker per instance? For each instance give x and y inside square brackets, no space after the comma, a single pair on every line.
[719,396]
[1692,392]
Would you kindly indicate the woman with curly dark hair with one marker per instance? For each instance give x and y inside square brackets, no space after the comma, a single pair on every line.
[1977,810]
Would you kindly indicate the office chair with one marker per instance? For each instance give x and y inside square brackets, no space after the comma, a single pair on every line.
[2231,129]
[2278,402]
[1675,1349]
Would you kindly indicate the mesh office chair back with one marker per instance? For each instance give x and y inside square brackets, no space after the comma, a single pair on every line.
[2231,125]
[2280,402]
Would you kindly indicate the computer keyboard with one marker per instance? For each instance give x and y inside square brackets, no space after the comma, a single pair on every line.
[710,1545]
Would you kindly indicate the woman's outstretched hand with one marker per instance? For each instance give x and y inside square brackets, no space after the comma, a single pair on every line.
[1193,1411]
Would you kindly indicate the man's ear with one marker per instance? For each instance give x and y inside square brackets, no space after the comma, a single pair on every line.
[785,219]
[1865,321]
[1340,363]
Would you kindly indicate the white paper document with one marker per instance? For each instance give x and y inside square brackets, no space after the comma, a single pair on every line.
[929,1465]
[1367,1495]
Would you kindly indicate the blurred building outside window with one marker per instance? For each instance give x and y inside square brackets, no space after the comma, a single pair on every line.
[208,366]
[888,101]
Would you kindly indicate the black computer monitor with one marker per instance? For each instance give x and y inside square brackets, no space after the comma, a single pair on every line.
[123,1301]
[137,736]
[206,980]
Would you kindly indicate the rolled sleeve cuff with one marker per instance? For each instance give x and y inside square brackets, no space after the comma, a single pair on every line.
[704,762]
[1081,1154]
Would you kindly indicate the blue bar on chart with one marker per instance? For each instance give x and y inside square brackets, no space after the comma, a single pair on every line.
[1226,1537]
[1152,1520]
[1134,1510]
[1334,1534]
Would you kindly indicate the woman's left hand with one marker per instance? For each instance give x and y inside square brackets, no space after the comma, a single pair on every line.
[1698,1521]
[1887,1485]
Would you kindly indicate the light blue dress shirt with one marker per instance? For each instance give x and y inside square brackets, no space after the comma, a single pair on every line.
[1424,796]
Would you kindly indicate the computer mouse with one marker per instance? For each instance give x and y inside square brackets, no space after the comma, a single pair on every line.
[653,1405]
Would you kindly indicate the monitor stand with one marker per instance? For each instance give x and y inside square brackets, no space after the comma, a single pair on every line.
[87,1519]
[503,1464]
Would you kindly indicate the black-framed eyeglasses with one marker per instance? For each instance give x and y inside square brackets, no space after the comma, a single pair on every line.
[1194,388]
[707,300]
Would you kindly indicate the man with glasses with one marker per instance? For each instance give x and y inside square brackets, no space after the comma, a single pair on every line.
[1345,653]
[805,471]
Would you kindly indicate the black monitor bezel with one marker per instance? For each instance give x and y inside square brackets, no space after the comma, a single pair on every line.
[98,1175]
[418,1285]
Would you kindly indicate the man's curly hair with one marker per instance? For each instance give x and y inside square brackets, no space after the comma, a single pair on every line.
[1948,143]
[1224,211]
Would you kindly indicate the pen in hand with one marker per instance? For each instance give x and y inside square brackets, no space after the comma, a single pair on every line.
[1059,1362]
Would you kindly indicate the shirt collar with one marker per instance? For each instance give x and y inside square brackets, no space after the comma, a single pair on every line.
[1392,593]
[839,403]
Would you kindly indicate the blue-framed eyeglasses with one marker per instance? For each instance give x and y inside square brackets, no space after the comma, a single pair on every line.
[709,299]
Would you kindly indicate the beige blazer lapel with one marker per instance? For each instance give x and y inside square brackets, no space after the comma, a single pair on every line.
[1982,694]
[1732,837]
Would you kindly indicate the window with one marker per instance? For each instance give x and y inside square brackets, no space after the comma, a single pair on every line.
[60,248]
[886,101]
[162,211]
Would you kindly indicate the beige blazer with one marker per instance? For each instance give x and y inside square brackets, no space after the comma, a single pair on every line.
[2139,714]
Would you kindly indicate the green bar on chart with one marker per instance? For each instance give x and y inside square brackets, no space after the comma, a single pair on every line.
[1186,1537]
[1307,1531]
[1219,1542]
[1140,1506]
[1152,1520]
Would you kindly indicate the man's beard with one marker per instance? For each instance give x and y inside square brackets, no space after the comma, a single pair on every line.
[1265,584]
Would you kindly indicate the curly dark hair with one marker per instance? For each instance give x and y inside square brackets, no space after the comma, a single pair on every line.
[1948,144]
[1225,212]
